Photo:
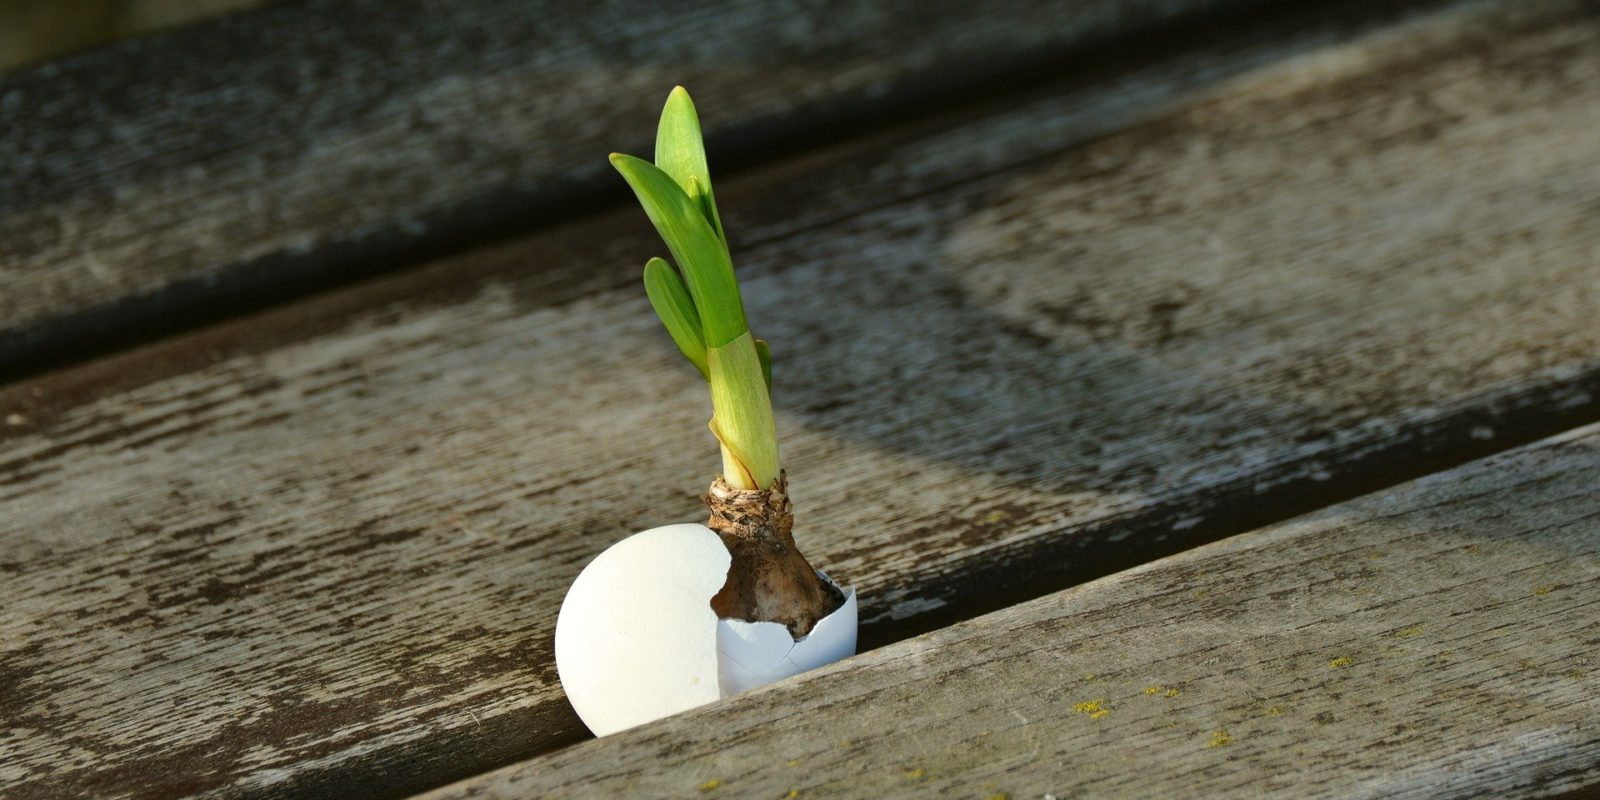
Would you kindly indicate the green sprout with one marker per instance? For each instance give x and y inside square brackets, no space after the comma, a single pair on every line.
[698,300]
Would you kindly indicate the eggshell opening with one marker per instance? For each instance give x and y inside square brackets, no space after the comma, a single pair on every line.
[752,654]
[636,639]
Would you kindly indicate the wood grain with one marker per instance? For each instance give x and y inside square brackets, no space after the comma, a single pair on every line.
[318,551]
[170,180]
[1437,640]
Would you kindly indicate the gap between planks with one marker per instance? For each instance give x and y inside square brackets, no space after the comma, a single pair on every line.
[383,478]
[165,183]
[1439,639]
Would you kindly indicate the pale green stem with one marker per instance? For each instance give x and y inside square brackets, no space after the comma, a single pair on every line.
[742,414]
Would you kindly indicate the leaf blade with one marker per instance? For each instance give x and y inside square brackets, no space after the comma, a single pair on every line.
[707,269]
[670,298]
[764,353]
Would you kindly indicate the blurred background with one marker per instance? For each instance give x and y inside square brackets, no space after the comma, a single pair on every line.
[36,30]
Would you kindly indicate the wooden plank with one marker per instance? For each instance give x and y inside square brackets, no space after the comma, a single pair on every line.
[1440,639]
[319,551]
[174,179]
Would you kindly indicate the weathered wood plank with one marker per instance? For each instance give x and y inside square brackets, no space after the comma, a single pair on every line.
[164,181]
[320,550]
[1440,639]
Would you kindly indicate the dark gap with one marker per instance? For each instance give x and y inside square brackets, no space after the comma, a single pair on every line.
[1590,792]
[1235,508]
[496,216]
[1087,554]
[1084,555]
[1053,566]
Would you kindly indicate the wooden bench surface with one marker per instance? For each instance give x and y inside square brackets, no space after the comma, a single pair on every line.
[317,550]
[177,178]
[1437,639]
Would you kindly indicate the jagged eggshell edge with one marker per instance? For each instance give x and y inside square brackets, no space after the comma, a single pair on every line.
[755,654]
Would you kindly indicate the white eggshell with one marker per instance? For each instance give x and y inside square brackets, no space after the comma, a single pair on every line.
[636,639]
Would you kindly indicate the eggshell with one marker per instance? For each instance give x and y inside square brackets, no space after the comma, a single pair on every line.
[636,639]
[757,653]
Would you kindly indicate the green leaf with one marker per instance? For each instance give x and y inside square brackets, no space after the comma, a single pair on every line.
[702,199]
[702,297]
[670,298]
[764,352]
[695,247]
[681,153]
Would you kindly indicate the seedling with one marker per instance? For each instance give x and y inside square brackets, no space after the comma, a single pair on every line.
[619,653]
[700,305]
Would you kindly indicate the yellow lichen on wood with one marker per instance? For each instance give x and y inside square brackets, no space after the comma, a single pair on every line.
[1095,709]
[1219,738]
[1152,690]
[711,785]
[1340,663]
[1538,590]
[918,774]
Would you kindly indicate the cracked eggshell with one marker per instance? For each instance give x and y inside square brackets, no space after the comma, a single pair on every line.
[758,653]
[636,639]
